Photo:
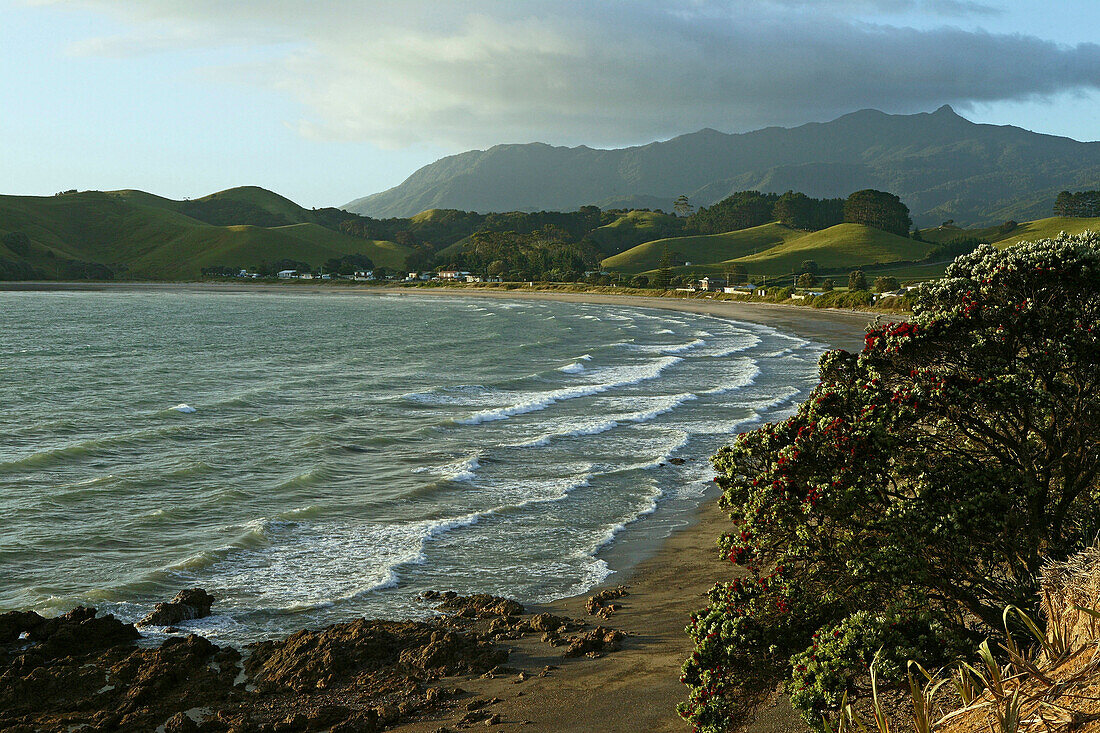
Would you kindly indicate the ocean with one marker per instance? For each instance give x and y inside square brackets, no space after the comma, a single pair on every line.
[313,458]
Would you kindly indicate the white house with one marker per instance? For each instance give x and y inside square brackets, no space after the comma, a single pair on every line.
[736,291]
[305,276]
[287,274]
[453,274]
[363,275]
[474,279]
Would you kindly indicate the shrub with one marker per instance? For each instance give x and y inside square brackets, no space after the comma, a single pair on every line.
[918,490]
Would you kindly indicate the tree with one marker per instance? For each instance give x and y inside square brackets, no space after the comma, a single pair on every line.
[664,273]
[799,211]
[639,281]
[918,491]
[857,280]
[742,210]
[807,280]
[809,266]
[18,242]
[828,284]
[683,207]
[736,274]
[878,209]
[886,284]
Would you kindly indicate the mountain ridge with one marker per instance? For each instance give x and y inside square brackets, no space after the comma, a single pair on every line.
[941,164]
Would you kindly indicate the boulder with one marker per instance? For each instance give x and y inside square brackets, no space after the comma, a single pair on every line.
[188,604]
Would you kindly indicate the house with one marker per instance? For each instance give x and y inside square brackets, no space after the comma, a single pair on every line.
[737,291]
[687,289]
[474,279]
[305,276]
[412,276]
[287,274]
[452,274]
[363,275]
[711,283]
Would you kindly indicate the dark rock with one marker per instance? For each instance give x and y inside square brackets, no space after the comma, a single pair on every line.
[598,605]
[676,461]
[316,660]
[180,723]
[599,640]
[479,605]
[188,604]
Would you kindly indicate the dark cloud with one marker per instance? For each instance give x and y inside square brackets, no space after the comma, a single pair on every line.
[611,71]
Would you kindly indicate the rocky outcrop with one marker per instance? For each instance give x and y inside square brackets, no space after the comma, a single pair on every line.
[85,671]
[596,642]
[600,604]
[188,604]
[317,660]
[479,605]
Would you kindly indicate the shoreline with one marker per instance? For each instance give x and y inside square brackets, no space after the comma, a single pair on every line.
[636,687]
[840,328]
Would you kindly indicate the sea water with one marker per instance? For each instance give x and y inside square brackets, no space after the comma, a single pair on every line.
[313,458]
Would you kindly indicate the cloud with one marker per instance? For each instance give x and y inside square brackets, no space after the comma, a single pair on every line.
[603,72]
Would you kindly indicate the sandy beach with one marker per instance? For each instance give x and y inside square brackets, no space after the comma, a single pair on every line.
[636,688]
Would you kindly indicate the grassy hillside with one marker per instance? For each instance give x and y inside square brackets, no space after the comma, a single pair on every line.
[1044,228]
[773,249]
[702,249]
[634,228]
[151,238]
[841,246]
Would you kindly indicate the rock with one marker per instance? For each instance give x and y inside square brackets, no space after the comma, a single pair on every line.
[78,632]
[188,604]
[598,640]
[180,723]
[479,605]
[315,660]
[494,719]
[598,605]
[16,623]
[676,461]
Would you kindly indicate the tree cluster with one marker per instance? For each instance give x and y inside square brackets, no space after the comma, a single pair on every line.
[799,211]
[878,209]
[1078,204]
[917,491]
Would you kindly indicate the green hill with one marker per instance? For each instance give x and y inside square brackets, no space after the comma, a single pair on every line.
[633,228]
[1045,228]
[838,247]
[150,237]
[702,249]
[773,249]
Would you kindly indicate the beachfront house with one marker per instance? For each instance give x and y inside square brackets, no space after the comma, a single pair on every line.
[453,274]
[711,283]
[740,291]
[474,279]
[305,275]
[287,274]
[363,275]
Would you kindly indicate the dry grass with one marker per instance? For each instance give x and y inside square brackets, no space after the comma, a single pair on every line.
[1054,688]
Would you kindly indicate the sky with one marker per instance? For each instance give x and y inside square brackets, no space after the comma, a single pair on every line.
[325,102]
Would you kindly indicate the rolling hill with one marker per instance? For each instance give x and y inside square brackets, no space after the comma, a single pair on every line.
[703,249]
[774,249]
[153,238]
[940,164]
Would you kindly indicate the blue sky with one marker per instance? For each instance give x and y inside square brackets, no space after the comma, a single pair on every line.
[328,101]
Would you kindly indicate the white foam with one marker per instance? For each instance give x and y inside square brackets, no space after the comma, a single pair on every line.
[574,368]
[184,408]
[533,402]
[463,470]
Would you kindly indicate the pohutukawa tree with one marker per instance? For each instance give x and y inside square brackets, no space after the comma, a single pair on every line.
[917,491]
